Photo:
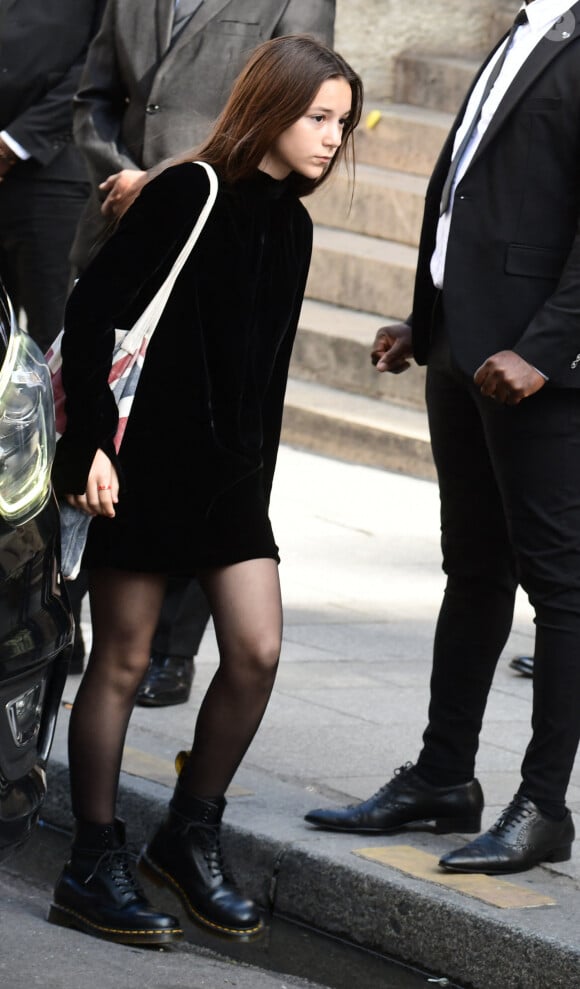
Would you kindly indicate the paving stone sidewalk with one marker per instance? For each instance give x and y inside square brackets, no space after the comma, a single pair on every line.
[362,584]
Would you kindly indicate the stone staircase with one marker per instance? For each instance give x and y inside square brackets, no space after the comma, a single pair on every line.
[362,276]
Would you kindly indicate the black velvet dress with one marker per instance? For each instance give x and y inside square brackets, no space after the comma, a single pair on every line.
[198,456]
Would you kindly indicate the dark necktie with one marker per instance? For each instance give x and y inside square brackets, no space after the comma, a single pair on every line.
[185,10]
[522,18]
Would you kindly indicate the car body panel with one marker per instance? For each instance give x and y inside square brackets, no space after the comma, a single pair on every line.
[35,618]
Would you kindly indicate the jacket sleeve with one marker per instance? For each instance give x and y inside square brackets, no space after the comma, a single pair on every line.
[551,341]
[44,128]
[273,405]
[314,17]
[140,251]
[100,104]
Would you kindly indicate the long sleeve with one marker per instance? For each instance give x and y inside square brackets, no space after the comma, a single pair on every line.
[551,341]
[273,404]
[100,105]
[44,128]
[138,255]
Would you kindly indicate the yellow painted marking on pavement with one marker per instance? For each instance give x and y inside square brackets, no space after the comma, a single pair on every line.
[490,889]
[152,767]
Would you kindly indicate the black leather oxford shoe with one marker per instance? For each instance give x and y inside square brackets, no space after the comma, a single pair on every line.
[167,681]
[521,838]
[406,799]
[523,665]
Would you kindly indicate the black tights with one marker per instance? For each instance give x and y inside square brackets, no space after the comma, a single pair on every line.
[246,608]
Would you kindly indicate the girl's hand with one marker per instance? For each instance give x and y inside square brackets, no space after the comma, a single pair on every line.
[102,492]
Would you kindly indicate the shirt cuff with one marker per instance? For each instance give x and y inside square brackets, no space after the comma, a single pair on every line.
[15,146]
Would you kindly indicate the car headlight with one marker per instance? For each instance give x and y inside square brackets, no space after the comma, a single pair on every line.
[27,434]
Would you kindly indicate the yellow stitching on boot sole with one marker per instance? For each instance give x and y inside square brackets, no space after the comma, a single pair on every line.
[115,930]
[185,899]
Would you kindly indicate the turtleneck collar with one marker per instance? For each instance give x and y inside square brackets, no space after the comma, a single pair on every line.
[264,186]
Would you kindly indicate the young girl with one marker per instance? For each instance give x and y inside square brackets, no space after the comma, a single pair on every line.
[188,493]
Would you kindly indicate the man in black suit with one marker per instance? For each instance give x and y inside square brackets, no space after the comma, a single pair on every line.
[496,318]
[43,179]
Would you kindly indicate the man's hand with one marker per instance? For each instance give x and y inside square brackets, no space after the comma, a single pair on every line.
[392,349]
[7,159]
[508,378]
[121,189]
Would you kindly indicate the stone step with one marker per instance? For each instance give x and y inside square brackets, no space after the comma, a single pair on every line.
[333,348]
[361,430]
[359,272]
[438,82]
[385,203]
[405,139]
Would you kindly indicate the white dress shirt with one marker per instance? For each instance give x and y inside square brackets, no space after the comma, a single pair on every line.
[542,14]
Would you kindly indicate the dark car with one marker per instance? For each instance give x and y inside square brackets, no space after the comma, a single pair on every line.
[35,619]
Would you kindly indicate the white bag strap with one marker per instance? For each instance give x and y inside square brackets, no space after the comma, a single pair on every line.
[149,318]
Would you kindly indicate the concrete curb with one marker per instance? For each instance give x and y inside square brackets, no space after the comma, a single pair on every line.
[313,877]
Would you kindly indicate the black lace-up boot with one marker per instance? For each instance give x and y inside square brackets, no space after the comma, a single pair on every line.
[185,854]
[98,894]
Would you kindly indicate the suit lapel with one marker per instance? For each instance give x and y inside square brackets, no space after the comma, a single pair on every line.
[163,22]
[208,10]
[541,57]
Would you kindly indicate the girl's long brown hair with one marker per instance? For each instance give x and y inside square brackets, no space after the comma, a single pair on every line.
[275,89]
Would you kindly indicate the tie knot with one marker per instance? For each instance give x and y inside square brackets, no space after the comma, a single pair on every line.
[521,18]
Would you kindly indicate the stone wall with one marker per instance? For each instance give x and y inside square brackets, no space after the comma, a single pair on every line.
[371,33]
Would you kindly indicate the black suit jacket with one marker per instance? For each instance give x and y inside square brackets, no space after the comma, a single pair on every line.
[43,44]
[512,275]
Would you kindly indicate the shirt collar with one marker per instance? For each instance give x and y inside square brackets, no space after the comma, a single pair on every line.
[543,13]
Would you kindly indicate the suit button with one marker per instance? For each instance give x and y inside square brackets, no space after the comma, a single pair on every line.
[152,108]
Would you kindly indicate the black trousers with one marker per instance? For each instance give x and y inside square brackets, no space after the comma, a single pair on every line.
[183,619]
[38,220]
[509,481]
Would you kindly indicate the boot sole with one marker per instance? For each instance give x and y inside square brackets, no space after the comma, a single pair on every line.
[440,825]
[65,917]
[159,877]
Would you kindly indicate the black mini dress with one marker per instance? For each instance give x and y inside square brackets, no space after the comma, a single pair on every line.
[197,460]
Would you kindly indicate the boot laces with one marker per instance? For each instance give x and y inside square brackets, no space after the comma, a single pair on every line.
[212,853]
[116,861]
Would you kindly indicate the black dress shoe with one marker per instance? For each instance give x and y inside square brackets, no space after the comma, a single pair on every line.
[167,681]
[407,799]
[521,838]
[523,665]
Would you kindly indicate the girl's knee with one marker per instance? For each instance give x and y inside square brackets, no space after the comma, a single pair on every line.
[123,668]
[259,659]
